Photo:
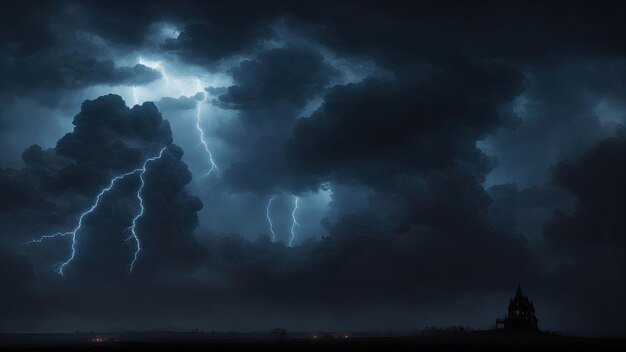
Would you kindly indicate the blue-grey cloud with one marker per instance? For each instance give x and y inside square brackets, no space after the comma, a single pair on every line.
[484,153]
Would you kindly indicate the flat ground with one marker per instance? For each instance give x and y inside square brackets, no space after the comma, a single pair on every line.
[474,341]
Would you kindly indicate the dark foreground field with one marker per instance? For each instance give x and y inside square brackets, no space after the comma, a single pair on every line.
[475,341]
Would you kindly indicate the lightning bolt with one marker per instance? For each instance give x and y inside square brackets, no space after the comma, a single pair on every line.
[202,140]
[158,65]
[294,222]
[269,220]
[133,227]
[135,95]
[74,232]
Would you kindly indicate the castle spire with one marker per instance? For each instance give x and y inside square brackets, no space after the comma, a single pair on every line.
[518,293]
[521,313]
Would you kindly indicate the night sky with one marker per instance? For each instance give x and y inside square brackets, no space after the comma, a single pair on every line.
[323,165]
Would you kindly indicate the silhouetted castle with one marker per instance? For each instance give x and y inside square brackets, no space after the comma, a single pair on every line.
[521,314]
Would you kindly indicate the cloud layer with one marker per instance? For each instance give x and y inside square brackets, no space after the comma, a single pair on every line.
[442,153]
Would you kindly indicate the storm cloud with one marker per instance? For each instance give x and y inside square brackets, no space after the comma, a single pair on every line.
[441,154]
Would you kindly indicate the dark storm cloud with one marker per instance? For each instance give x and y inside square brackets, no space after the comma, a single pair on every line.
[424,119]
[413,237]
[208,32]
[164,230]
[16,193]
[393,34]
[411,140]
[169,104]
[70,72]
[515,30]
[23,30]
[111,136]
[108,140]
[597,181]
[268,94]
[411,272]
[588,243]
[560,115]
[286,76]
[206,43]
[42,51]
[16,273]
[57,185]
[525,210]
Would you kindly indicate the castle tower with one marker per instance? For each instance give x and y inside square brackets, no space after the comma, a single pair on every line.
[521,314]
